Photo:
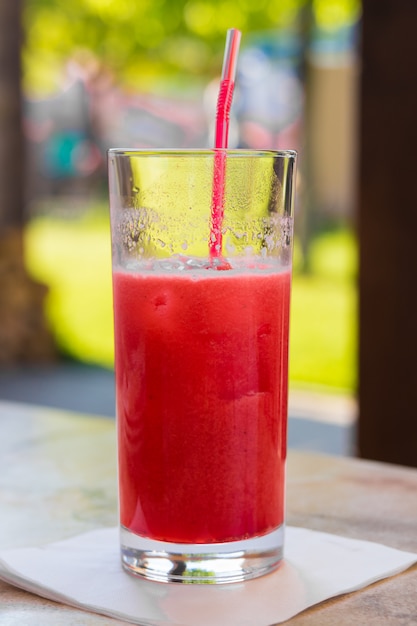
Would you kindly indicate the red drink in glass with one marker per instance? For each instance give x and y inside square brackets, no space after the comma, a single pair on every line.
[201,372]
[201,284]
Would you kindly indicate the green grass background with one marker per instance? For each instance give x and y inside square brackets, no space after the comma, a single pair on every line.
[72,256]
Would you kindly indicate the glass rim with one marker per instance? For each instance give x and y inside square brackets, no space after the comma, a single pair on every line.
[201,152]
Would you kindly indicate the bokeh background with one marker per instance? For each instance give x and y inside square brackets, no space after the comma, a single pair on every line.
[115,73]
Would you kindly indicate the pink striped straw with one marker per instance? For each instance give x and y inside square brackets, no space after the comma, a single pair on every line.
[227,85]
[224,102]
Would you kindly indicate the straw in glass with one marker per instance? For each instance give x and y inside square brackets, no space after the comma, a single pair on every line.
[224,102]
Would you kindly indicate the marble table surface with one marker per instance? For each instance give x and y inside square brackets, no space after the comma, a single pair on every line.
[58,479]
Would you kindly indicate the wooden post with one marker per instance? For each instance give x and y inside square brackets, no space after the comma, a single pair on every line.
[388,233]
[11,137]
[24,336]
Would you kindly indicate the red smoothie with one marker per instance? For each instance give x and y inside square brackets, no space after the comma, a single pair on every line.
[201,379]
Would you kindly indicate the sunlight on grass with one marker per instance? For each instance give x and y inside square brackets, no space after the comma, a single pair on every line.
[323,317]
[322,335]
[73,258]
[333,255]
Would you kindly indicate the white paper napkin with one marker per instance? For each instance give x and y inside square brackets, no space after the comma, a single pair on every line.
[85,572]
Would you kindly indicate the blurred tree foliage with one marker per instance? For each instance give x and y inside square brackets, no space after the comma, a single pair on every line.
[142,41]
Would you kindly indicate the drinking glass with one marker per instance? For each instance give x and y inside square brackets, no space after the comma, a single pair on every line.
[201,257]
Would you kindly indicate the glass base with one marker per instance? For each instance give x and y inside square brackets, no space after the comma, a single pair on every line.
[209,563]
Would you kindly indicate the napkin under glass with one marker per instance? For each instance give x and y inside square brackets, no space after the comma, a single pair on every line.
[85,572]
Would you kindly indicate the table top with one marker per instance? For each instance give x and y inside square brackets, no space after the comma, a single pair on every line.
[58,479]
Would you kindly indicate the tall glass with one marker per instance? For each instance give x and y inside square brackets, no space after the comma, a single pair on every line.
[201,359]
